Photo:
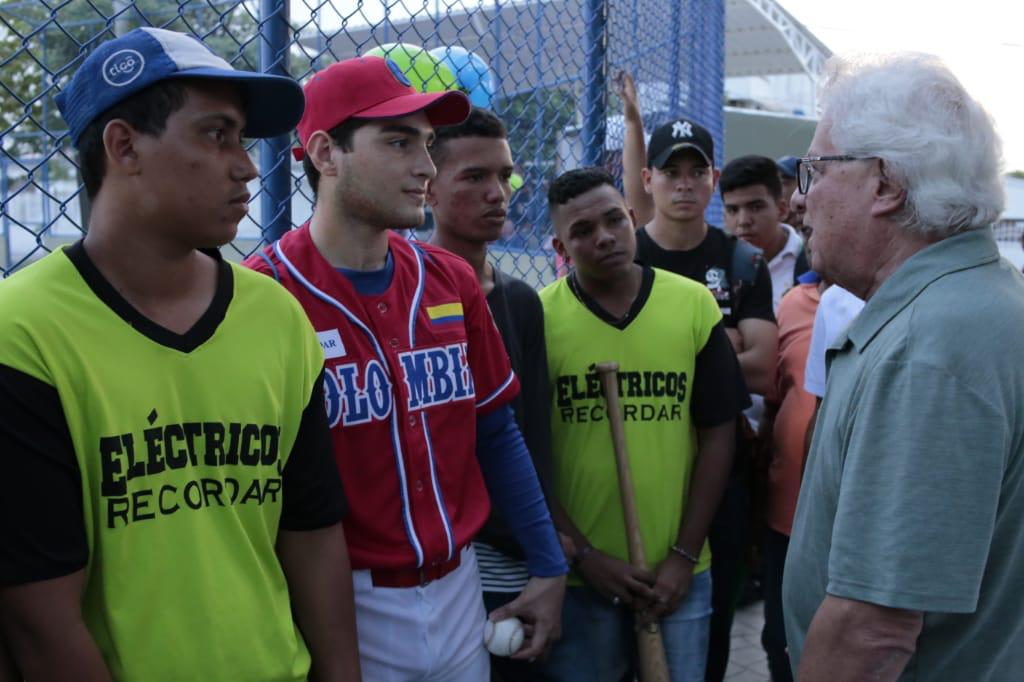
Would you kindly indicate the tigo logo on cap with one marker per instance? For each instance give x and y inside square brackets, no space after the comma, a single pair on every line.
[126,65]
[122,67]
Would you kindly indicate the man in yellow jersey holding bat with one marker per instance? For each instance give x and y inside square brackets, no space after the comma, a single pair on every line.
[680,389]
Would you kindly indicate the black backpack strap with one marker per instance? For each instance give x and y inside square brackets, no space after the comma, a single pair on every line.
[743,270]
[745,261]
[802,265]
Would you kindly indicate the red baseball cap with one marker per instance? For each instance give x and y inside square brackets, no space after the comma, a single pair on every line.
[371,87]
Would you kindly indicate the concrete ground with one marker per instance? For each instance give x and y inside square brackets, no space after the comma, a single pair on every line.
[747,660]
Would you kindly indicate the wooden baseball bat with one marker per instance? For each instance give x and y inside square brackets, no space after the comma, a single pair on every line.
[650,648]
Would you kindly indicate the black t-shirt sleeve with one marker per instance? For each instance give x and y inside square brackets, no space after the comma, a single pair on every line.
[313,496]
[756,298]
[533,380]
[719,392]
[801,266]
[42,526]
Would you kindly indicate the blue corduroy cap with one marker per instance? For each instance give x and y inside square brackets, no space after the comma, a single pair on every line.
[130,63]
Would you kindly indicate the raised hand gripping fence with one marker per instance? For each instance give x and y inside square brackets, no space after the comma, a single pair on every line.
[545,66]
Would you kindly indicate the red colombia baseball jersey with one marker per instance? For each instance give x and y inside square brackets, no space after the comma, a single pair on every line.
[407,373]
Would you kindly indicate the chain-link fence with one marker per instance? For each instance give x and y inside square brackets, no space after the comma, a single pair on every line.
[545,66]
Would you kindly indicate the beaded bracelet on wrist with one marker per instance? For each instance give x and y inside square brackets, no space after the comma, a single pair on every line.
[686,555]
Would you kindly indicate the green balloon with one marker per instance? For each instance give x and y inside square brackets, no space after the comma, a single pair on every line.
[425,72]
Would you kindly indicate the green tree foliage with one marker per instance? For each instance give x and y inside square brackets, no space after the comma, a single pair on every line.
[538,120]
[42,43]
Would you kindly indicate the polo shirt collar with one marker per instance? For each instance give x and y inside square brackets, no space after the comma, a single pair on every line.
[962,251]
[792,246]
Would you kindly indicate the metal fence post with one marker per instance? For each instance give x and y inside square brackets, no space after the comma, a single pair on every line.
[4,215]
[713,18]
[594,102]
[275,203]
[675,40]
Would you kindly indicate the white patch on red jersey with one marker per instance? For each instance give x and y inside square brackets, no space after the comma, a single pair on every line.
[330,341]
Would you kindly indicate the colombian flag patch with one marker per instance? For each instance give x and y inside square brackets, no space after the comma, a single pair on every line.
[445,313]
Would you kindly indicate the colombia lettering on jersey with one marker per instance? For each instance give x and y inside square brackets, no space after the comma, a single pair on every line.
[357,394]
[437,375]
[408,371]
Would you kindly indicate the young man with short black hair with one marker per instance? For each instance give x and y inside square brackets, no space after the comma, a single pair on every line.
[469,197]
[754,208]
[681,390]
[170,509]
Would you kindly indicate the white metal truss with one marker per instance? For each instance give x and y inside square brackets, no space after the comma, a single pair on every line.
[806,51]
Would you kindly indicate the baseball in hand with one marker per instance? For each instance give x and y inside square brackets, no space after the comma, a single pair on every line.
[504,637]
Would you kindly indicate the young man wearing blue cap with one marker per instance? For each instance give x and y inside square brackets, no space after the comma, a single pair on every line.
[418,385]
[169,508]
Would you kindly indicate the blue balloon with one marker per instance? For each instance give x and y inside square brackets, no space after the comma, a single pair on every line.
[471,72]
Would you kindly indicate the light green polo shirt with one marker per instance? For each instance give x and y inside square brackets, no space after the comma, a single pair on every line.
[913,496]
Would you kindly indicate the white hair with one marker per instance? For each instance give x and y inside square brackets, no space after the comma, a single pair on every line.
[936,142]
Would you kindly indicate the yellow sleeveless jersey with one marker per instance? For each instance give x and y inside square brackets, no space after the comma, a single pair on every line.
[656,350]
[180,452]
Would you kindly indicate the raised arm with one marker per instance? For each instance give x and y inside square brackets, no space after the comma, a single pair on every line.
[634,152]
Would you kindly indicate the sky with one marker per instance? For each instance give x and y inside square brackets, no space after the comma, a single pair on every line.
[982,42]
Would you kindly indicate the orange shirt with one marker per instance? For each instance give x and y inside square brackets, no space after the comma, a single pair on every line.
[796,320]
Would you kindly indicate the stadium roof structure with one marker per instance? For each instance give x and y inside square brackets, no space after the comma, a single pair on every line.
[763,39]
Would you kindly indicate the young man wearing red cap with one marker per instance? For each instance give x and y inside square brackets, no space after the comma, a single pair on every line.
[417,384]
[169,507]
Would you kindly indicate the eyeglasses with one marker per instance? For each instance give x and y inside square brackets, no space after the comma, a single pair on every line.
[805,171]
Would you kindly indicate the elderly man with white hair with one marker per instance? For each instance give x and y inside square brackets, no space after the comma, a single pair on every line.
[907,554]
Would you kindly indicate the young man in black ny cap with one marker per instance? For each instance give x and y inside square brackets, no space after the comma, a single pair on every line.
[678,178]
